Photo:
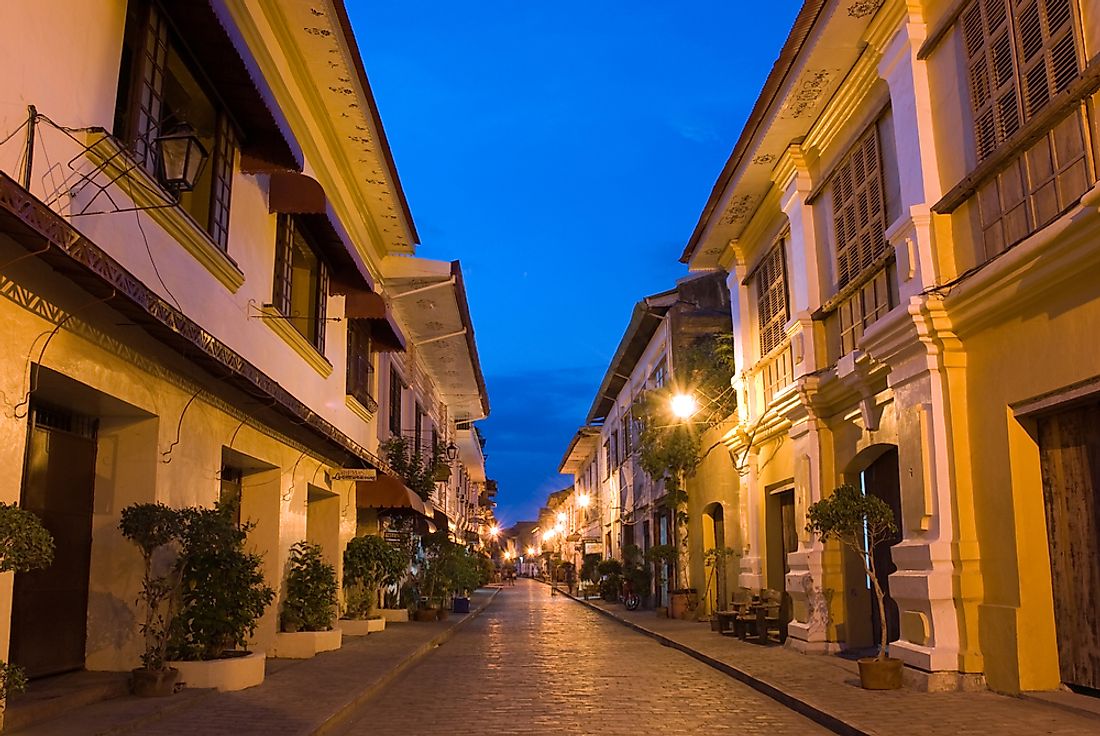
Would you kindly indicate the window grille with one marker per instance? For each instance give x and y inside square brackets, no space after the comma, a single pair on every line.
[360,376]
[772,308]
[395,401]
[859,212]
[301,281]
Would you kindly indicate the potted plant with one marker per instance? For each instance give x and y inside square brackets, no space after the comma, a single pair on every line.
[680,601]
[155,529]
[222,595]
[369,563]
[714,559]
[611,579]
[861,522]
[25,545]
[310,606]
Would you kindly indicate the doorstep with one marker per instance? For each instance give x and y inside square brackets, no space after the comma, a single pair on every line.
[51,696]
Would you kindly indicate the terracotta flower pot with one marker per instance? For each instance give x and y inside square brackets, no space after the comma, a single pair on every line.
[152,683]
[880,674]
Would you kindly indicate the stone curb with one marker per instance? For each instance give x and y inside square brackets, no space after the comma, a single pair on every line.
[375,687]
[817,715]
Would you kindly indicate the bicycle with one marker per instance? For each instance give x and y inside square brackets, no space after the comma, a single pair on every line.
[629,598]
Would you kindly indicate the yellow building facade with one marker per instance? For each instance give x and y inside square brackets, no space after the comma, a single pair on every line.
[909,223]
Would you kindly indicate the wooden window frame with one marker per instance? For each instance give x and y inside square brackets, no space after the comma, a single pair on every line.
[360,371]
[149,32]
[859,209]
[287,228]
[769,280]
[1016,62]
[397,385]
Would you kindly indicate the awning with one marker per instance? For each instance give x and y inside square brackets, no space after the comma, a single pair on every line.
[300,195]
[267,143]
[55,242]
[386,335]
[387,492]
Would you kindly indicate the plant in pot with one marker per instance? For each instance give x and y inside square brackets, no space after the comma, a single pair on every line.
[861,522]
[156,530]
[25,545]
[611,579]
[714,560]
[310,603]
[222,588]
[370,562]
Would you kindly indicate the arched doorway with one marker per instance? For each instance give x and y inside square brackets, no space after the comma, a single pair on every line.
[714,537]
[876,474]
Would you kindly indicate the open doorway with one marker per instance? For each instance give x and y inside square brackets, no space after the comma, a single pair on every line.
[879,478]
[781,540]
[714,537]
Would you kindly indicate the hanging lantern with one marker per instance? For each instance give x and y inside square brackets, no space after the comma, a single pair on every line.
[182,157]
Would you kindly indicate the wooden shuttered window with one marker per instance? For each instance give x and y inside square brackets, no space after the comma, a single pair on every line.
[1020,54]
[772,307]
[859,209]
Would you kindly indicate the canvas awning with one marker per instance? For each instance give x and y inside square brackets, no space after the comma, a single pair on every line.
[386,335]
[297,194]
[388,492]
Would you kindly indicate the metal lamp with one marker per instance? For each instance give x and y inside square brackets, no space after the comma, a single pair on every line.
[182,157]
[452,452]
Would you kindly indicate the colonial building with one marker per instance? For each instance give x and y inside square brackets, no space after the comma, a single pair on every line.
[210,292]
[625,502]
[909,223]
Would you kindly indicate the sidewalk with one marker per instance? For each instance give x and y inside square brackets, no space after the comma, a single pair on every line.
[826,688]
[298,697]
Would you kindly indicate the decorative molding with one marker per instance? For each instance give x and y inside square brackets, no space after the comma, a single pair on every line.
[863,8]
[281,326]
[764,158]
[363,412]
[809,92]
[739,209]
[109,156]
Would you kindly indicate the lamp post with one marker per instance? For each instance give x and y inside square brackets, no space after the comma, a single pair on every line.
[182,157]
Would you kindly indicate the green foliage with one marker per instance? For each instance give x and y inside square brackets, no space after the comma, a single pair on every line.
[862,522]
[589,572]
[12,681]
[847,514]
[24,543]
[611,579]
[416,470]
[310,603]
[370,562]
[441,569]
[153,527]
[222,587]
[662,553]
[640,577]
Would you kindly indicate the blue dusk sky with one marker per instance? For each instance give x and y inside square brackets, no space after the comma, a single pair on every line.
[563,152]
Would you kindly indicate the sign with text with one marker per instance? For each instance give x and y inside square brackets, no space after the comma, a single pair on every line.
[355,474]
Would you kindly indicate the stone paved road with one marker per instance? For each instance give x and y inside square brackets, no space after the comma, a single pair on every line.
[533,664]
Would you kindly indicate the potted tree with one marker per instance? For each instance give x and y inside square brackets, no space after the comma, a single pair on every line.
[156,530]
[369,563]
[680,600]
[222,595]
[861,522]
[310,607]
[714,559]
[611,579]
[25,545]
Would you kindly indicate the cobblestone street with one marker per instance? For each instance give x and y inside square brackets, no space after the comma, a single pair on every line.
[536,664]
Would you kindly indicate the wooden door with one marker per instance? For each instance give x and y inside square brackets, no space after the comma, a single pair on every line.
[881,479]
[50,607]
[1069,448]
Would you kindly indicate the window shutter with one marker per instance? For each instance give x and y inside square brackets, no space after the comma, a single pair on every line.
[1047,53]
[771,295]
[284,237]
[993,92]
[859,212]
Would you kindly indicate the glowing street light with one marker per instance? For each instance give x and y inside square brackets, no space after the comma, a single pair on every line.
[507,555]
[530,551]
[561,518]
[583,500]
[494,531]
[684,405]
[549,534]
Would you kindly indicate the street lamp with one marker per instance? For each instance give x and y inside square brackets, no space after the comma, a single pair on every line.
[561,518]
[583,500]
[182,157]
[494,531]
[684,406]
